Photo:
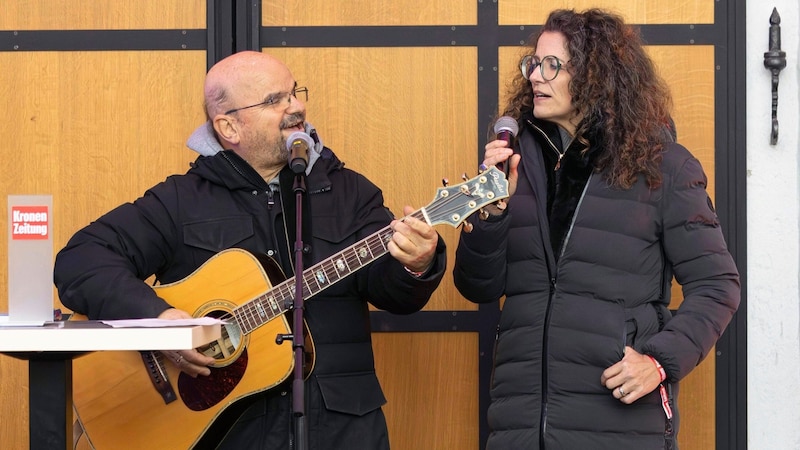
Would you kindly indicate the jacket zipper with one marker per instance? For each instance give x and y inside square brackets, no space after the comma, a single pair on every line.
[553,285]
[545,343]
[574,217]
[545,340]
[270,198]
[553,147]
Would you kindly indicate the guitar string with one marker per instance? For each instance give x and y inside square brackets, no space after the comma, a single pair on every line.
[349,257]
[350,260]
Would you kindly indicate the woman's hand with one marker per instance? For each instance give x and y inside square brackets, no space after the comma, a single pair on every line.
[497,152]
[632,378]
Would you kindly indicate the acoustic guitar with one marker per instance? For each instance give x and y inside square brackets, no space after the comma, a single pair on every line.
[132,400]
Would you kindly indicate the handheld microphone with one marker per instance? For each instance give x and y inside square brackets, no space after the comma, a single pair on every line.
[297,146]
[506,128]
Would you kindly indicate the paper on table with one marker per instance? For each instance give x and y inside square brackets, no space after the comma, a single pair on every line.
[160,323]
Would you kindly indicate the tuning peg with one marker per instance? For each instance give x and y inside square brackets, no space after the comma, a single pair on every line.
[467,227]
[464,176]
[445,182]
[482,168]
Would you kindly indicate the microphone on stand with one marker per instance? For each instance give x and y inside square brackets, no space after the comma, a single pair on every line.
[297,146]
[506,128]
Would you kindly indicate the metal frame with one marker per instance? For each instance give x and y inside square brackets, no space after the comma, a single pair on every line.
[99,40]
[731,199]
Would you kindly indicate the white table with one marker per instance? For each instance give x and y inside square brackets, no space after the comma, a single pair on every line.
[50,350]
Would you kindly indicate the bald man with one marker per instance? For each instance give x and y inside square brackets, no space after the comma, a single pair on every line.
[239,194]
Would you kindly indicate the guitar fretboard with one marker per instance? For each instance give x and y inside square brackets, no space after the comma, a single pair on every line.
[316,279]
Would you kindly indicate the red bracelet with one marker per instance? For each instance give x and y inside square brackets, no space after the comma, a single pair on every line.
[661,371]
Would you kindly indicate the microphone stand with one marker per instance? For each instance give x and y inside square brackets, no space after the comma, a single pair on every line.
[298,332]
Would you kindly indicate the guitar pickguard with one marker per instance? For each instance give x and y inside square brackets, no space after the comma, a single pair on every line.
[201,393]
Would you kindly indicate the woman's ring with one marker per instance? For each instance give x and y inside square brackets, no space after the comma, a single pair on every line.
[179,359]
[621,392]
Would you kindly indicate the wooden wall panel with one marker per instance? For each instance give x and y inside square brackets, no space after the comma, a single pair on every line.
[368,12]
[690,71]
[93,129]
[431,388]
[698,407]
[403,117]
[513,12]
[101,14]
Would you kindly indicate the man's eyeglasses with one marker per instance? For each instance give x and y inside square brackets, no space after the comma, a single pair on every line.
[549,66]
[277,99]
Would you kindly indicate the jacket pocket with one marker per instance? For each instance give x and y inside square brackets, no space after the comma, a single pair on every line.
[328,241]
[648,319]
[355,394]
[218,234]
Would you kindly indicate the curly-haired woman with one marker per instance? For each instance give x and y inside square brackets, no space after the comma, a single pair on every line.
[606,209]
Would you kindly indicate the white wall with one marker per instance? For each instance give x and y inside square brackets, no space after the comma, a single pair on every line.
[773,232]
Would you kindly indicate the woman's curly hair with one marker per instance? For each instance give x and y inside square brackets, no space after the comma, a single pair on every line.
[616,90]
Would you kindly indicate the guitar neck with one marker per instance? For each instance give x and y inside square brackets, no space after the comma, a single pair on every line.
[451,205]
[316,279]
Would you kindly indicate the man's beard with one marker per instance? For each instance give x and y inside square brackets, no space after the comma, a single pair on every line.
[280,148]
[273,149]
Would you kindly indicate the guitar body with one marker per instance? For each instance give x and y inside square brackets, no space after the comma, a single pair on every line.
[116,402]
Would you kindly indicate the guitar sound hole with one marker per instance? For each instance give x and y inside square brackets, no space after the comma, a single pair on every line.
[228,345]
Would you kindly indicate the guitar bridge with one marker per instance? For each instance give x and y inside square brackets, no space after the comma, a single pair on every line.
[154,364]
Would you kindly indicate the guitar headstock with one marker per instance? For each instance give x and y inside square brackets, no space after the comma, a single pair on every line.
[453,204]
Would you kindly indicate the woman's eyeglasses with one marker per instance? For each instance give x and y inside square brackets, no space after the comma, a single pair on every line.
[549,66]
